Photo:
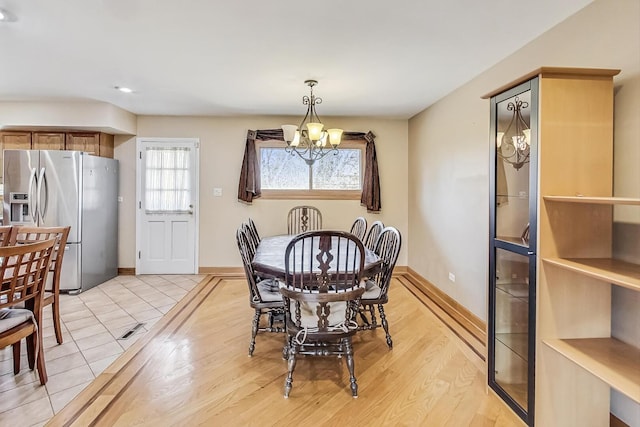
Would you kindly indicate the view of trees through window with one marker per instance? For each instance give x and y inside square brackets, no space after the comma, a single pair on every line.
[280,170]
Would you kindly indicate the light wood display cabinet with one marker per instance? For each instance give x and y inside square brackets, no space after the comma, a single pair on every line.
[553,281]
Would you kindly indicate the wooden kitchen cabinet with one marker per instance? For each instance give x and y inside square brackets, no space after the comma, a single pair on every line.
[96,143]
[47,140]
[13,140]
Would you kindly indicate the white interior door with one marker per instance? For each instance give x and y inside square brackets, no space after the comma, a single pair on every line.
[167,214]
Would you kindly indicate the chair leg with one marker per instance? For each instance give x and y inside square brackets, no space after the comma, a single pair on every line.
[32,350]
[254,331]
[385,325]
[350,364]
[55,308]
[42,370]
[16,357]
[293,350]
[372,312]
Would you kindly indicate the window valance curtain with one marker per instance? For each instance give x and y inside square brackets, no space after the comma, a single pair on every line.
[249,183]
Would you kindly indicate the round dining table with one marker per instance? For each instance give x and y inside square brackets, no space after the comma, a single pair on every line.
[268,261]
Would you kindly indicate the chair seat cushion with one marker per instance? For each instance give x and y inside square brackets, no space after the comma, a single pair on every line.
[371,291]
[12,317]
[309,318]
[269,290]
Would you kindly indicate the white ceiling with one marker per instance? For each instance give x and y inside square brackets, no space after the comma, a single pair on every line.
[215,57]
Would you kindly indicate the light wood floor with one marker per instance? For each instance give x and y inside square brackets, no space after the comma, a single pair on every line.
[193,369]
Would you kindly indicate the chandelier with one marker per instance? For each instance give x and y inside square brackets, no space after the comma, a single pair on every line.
[514,143]
[309,140]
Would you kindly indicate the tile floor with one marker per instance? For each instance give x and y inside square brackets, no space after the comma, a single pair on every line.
[92,322]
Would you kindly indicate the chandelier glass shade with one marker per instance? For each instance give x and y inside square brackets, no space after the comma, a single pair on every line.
[309,140]
[514,144]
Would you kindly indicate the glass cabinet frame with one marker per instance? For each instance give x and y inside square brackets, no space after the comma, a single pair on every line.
[525,247]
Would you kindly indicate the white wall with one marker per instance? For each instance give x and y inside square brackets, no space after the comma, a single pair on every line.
[449,160]
[222,147]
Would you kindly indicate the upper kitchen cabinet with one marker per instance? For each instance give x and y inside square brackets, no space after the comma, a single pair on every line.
[47,141]
[15,140]
[11,140]
[96,143]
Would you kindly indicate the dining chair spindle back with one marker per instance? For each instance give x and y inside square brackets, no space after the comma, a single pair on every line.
[377,287]
[304,218]
[372,235]
[359,227]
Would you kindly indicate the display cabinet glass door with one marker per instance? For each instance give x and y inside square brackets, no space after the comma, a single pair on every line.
[513,247]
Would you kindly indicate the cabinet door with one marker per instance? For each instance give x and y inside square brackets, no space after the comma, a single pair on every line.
[13,140]
[88,142]
[17,140]
[106,145]
[48,141]
[512,256]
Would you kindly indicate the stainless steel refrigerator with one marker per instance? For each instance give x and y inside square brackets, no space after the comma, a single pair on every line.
[51,188]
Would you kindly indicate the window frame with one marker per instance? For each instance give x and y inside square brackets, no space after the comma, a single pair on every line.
[359,144]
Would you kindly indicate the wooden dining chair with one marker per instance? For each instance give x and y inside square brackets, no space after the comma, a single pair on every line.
[377,287]
[254,231]
[372,235]
[359,227]
[264,296]
[5,234]
[322,290]
[23,273]
[27,234]
[303,218]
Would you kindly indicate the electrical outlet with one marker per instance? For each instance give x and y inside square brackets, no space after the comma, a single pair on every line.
[452,277]
[217,192]
[120,199]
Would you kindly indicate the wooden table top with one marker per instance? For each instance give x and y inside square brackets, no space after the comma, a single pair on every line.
[269,258]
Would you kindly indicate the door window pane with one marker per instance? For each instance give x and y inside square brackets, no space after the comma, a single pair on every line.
[167,183]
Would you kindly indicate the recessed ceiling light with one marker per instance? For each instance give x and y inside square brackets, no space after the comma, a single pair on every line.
[123,89]
[3,15]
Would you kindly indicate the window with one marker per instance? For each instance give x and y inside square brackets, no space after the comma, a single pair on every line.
[167,180]
[286,175]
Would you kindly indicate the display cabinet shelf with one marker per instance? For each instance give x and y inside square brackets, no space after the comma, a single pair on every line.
[610,270]
[595,200]
[516,342]
[611,360]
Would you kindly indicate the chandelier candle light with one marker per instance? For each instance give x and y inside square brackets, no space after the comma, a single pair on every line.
[514,143]
[308,140]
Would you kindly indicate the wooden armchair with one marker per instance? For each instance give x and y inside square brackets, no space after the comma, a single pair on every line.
[303,218]
[322,292]
[377,287]
[264,296]
[22,235]
[23,272]
[359,227]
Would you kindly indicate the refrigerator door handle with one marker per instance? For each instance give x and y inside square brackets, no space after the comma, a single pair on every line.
[33,181]
[42,182]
